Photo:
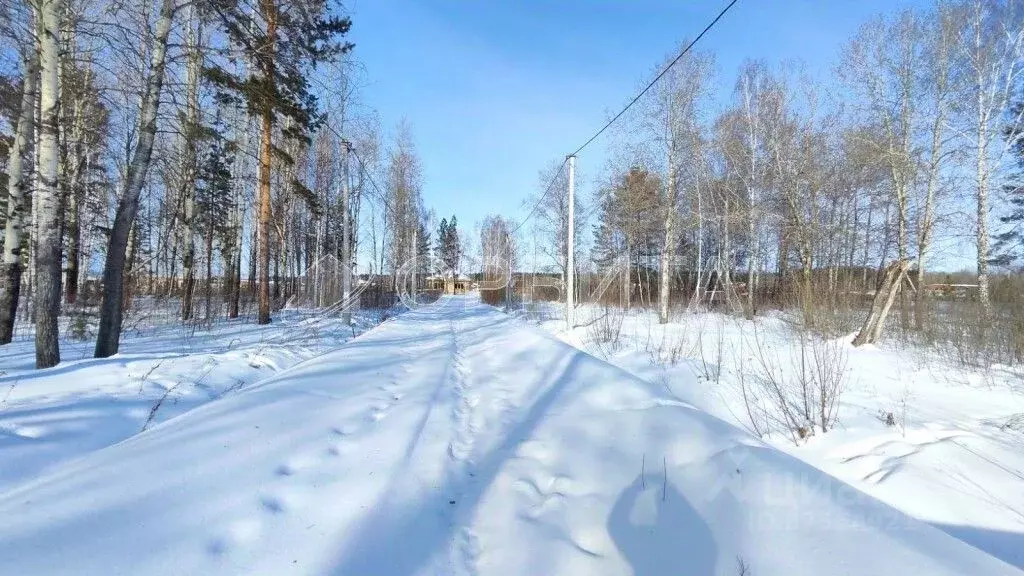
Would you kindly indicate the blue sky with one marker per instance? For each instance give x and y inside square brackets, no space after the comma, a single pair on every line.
[494,90]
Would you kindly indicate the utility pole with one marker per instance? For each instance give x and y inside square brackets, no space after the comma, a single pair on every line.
[346,240]
[508,277]
[570,261]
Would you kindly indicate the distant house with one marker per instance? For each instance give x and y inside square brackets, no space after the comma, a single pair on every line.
[449,285]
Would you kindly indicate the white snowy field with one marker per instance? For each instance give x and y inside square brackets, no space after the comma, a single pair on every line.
[952,456]
[455,440]
[84,404]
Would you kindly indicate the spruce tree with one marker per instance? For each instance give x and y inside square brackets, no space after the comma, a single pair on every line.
[450,251]
[442,236]
[1009,245]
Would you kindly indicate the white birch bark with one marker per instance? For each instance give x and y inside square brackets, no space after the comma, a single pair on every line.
[48,242]
[10,275]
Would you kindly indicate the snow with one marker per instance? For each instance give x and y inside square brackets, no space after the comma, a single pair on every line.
[50,416]
[953,458]
[457,440]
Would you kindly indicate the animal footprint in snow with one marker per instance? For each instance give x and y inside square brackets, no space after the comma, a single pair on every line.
[273,504]
[285,470]
[379,412]
[343,431]
[238,533]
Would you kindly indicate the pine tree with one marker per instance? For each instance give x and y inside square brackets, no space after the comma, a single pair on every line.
[629,220]
[284,41]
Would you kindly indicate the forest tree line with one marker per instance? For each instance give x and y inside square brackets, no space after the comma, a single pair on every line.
[211,151]
[808,186]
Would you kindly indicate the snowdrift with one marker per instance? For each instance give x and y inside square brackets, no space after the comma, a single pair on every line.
[455,440]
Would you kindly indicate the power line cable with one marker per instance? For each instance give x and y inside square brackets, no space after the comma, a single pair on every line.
[658,77]
[635,99]
[540,200]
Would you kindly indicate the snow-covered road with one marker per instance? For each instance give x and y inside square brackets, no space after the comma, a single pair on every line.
[456,440]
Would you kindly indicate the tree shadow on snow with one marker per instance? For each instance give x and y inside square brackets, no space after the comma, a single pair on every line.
[659,533]
[399,537]
[1007,546]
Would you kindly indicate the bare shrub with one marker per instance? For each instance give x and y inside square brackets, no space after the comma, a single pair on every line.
[711,362]
[7,394]
[671,347]
[960,329]
[827,371]
[887,418]
[902,410]
[606,328]
[538,310]
[827,311]
[801,388]
[757,414]
[1014,423]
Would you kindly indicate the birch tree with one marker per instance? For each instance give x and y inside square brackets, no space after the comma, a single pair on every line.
[673,120]
[17,184]
[108,337]
[750,90]
[46,297]
[882,62]
[991,40]
[190,134]
[940,102]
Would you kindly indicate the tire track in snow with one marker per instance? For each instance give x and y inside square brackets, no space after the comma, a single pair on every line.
[465,548]
[461,447]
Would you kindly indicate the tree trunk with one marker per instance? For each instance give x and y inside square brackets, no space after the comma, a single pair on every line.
[754,240]
[109,335]
[236,284]
[129,284]
[668,243]
[346,241]
[74,196]
[726,255]
[267,119]
[17,184]
[188,173]
[48,241]
[982,213]
[698,291]
[925,235]
[884,297]
[667,252]
[209,272]
[74,233]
